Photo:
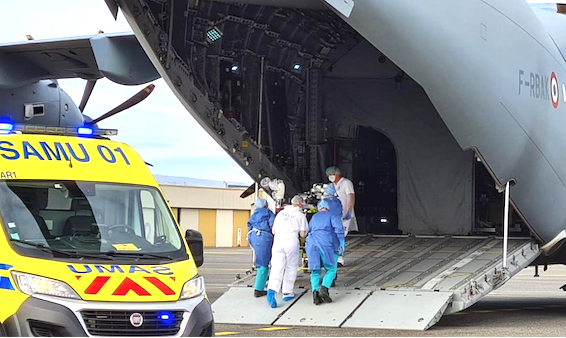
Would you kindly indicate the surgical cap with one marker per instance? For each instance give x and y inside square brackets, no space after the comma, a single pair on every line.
[260,202]
[333,170]
[297,200]
[330,190]
[323,204]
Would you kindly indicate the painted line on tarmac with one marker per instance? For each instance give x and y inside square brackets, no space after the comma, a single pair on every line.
[217,286]
[239,264]
[220,334]
[228,253]
[220,269]
[552,276]
[512,309]
[484,311]
[275,328]
[525,293]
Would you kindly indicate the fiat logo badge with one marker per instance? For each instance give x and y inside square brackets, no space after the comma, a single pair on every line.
[136,319]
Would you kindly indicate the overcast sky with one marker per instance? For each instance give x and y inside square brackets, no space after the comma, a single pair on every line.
[159,128]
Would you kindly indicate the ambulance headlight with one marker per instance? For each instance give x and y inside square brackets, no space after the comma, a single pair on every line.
[193,288]
[32,284]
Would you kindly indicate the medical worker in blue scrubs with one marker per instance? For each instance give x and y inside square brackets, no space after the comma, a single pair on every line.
[260,238]
[325,241]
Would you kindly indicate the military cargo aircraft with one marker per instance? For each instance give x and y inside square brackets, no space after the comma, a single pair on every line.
[432,108]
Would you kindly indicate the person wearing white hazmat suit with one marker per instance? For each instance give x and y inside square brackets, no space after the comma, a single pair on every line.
[289,224]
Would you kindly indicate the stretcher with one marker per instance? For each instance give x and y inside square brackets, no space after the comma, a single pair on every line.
[303,254]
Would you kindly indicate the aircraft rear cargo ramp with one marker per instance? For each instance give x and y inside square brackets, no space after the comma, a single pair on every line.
[390,282]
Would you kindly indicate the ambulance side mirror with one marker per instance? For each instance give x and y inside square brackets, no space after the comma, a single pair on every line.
[196,245]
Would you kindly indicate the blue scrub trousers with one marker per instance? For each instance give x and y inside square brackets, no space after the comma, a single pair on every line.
[329,276]
[261,278]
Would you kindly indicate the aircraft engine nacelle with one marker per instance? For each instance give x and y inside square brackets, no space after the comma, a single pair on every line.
[41,103]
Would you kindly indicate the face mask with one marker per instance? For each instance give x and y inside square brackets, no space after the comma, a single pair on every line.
[331,178]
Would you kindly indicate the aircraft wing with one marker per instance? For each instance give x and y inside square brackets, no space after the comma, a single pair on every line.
[119,57]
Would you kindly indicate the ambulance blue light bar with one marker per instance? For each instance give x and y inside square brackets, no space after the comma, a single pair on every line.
[85,131]
[68,131]
[6,127]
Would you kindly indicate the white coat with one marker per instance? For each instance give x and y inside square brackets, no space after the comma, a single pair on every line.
[344,187]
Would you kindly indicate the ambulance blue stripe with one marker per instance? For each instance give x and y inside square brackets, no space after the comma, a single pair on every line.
[5,267]
[6,284]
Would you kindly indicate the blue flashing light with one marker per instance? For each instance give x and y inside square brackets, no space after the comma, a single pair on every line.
[166,317]
[297,66]
[85,131]
[234,68]
[5,127]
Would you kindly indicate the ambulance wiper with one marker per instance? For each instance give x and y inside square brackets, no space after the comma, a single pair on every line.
[137,255]
[74,254]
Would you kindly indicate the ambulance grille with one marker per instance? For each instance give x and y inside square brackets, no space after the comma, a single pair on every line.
[117,323]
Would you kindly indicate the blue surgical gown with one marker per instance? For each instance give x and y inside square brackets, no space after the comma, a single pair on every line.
[324,237]
[260,236]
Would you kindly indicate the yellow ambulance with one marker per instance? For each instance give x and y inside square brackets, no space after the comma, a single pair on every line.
[88,245]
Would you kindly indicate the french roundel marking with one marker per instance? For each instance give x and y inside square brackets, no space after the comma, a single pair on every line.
[554,91]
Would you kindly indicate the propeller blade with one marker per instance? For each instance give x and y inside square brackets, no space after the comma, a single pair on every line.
[250,190]
[132,101]
[86,94]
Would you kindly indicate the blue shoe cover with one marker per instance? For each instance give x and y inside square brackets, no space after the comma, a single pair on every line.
[288,298]
[271,298]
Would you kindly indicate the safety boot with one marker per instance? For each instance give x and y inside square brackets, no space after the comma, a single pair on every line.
[316,298]
[324,295]
[259,293]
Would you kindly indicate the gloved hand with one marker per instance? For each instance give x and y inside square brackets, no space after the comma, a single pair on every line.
[348,216]
[341,249]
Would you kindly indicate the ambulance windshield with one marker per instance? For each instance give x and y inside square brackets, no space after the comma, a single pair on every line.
[88,218]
